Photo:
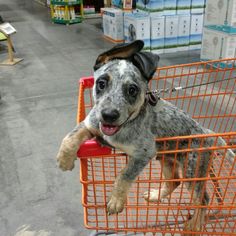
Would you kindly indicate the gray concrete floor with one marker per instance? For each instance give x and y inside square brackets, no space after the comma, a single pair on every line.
[38,107]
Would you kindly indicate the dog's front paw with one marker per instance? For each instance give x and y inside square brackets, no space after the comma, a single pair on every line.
[116,204]
[67,154]
[152,196]
[65,161]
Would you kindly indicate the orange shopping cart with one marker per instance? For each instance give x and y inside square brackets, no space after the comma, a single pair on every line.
[213,105]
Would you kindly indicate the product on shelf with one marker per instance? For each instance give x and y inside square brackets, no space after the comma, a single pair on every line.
[198,6]
[113,21]
[63,11]
[166,26]
[196,31]
[184,32]
[137,26]
[220,12]
[171,33]
[217,45]
[170,7]
[157,34]
[183,7]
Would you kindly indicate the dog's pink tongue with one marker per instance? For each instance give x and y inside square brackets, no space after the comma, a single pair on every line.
[109,129]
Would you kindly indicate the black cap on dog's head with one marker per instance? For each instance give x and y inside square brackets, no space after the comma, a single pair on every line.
[146,62]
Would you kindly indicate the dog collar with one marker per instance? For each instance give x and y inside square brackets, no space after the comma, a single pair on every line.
[152,98]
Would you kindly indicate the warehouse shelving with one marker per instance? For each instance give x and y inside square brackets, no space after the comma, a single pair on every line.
[63,12]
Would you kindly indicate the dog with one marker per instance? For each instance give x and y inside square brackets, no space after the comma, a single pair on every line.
[127,118]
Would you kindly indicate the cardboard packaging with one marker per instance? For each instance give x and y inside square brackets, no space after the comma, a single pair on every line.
[157,34]
[113,21]
[196,31]
[137,26]
[154,7]
[197,6]
[220,12]
[170,7]
[171,34]
[217,45]
[183,7]
[127,5]
[117,3]
[184,32]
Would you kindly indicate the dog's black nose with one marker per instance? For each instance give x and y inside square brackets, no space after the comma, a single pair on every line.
[110,115]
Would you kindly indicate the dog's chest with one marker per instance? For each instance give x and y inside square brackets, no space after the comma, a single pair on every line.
[127,148]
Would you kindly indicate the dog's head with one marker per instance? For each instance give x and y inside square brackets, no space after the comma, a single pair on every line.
[121,82]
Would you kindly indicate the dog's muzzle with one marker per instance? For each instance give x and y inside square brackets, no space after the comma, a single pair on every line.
[109,117]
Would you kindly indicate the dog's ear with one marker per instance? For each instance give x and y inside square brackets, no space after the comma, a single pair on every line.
[147,63]
[120,51]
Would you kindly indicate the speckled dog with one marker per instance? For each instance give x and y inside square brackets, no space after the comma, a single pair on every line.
[124,118]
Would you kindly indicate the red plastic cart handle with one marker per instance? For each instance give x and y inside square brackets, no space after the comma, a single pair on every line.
[93,148]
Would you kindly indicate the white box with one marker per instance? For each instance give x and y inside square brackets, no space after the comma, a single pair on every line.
[171,33]
[217,45]
[196,31]
[184,32]
[183,7]
[137,26]
[220,12]
[113,20]
[170,7]
[154,7]
[157,34]
[106,24]
[198,6]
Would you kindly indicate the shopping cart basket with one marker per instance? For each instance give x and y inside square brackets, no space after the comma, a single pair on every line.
[212,105]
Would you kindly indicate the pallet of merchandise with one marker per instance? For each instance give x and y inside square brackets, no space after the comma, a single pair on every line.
[63,12]
[62,21]
[65,3]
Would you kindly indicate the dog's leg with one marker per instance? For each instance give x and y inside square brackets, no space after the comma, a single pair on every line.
[123,183]
[170,171]
[198,218]
[197,166]
[70,145]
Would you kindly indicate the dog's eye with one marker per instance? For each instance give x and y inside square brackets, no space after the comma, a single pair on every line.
[101,84]
[133,90]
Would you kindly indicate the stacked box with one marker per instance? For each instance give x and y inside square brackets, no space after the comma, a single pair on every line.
[217,45]
[137,26]
[170,7]
[219,12]
[198,6]
[171,34]
[184,32]
[196,31]
[154,7]
[183,7]
[113,21]
[219,34]
[164,25]
[157,34]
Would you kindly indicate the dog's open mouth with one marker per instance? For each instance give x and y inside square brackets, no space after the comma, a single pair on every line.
[109,130]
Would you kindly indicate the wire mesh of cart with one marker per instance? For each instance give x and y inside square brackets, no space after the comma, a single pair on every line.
[213,105]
